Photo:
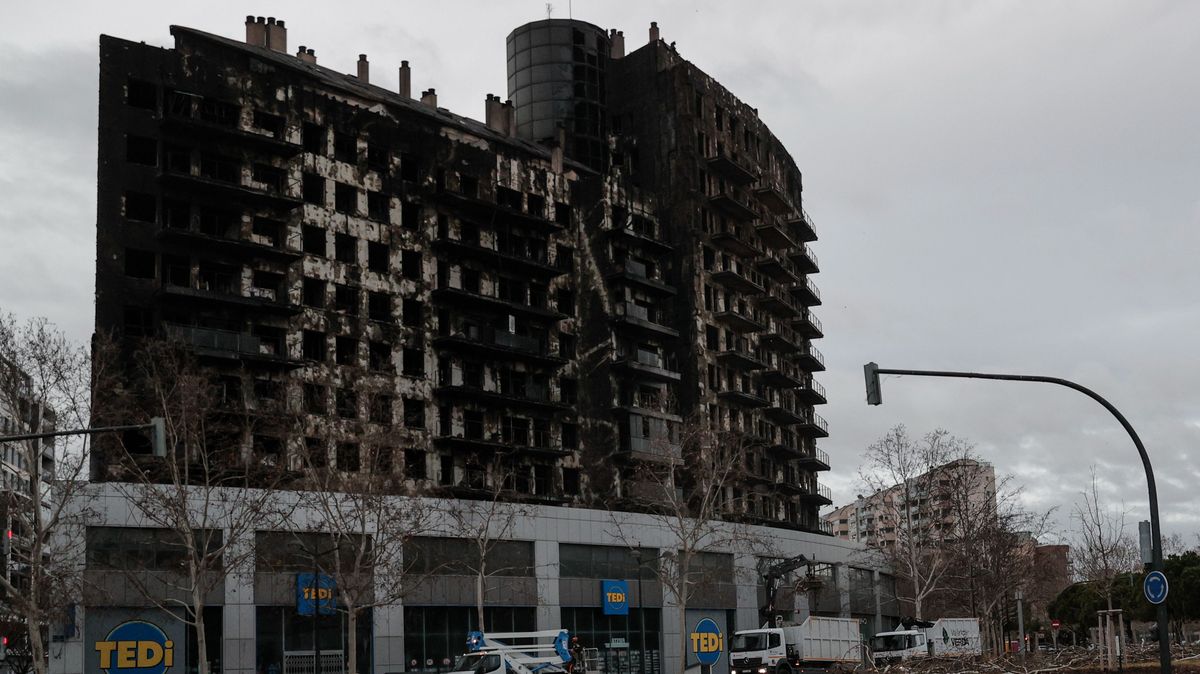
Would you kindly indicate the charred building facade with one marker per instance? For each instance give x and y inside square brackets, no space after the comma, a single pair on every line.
[618,250]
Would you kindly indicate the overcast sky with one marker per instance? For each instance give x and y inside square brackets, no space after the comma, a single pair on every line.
[1004,186]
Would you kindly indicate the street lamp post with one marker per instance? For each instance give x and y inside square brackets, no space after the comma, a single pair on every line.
[875,397]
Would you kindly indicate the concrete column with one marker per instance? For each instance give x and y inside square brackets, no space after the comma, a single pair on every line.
[545,561]
[746,575]
[388,635]
[877,587]
[671,629]
[841,581]
[237,653]
[801,606]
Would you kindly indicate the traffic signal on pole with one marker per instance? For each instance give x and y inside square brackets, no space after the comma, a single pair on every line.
[874,393]
[6,542]
[158,436]
[3,647]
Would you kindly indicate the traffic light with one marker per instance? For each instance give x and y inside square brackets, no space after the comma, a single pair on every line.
[874,393]
[158,436]
[3,647]
[6,542]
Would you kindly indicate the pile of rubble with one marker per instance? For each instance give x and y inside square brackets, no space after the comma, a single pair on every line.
[1137,657]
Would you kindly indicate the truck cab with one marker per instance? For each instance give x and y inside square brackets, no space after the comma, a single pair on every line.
[757,651]
[891,647]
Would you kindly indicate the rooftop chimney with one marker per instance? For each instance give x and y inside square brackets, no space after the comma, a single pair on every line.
[256,31]
[306,55]
[276,35]
[510,119]
[429,97]
[494,114]
[653,32]
[364,69]
[405,80]
[616,40]
[556,152]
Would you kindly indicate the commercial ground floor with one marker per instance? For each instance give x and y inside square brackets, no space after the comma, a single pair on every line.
[550,572]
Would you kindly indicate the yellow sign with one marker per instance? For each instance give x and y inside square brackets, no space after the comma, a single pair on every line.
[707,642]
[136,645]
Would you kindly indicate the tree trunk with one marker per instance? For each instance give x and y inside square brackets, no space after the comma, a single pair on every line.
[352,638]
[37,650]
[201,638]
[479,599]
[683,636]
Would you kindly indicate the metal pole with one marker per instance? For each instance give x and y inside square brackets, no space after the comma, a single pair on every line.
[316,604]
[1164,644]
[1021,623]
[641,615]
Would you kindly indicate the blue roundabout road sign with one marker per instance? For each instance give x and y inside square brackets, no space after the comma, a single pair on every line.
[1155,587]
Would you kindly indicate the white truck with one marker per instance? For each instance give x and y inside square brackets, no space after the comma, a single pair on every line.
[815,644]
[544,652]
[952,637]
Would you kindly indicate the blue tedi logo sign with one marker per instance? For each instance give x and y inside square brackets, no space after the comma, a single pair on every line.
[136,647]
[615,594]
[707,642]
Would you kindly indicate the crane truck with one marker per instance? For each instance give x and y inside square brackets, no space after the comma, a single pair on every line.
[914,638]
[544,652]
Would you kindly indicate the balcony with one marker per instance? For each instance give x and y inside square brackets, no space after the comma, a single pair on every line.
[739,321]
[232,191]
[740,359]
[778,304]
[727,166]
[643,319]
[534,265]
[732,205]
[802,227]
[646,364]
[656,450]
[733,242]
[635,273]
[229,295]
[745,399]
[489,211]
[644,235]
[807,293]
[779,270]
[239,247]
[780,338]
[773,198]
[176,126]
[808,326]
[232,346]
[805,260]
[531,397]
[531,444]
[734,279]
[785,413]
[501,344]
[785,449]
[810,359]
[815,460]
[460,297]
[779,377]
[810,392]
[813,426]
[817,493]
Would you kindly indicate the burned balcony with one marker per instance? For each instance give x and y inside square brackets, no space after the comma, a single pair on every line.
[808,326]
[636,274]
[785,412]
[228,190]
[813,426]
[810,359]
[642,318]
[508,212]
[219,285]
[500,344]
[530,395]
[779,304]
[647,364]
[807,293]
[741,359]
[732,205]
[734,240]
[228,345]
[736,277]
[747,399]
[786,449]
[805,260]
[535,264]
[739,320]
[780,338]
[814,460]
[773,197]
[730,168]
[802,228]
[221,244]
[649,435]
[645,233]
[195,128]
[777,267]
[810,392]
[531,444]
[779,375]
[458,297]
[817,493]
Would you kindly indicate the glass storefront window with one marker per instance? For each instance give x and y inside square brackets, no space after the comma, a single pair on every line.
[434,636]
[606,633]
[280,629]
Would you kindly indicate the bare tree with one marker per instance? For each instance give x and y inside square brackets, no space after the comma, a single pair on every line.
[1103,548]
[208,495]
[44,386]
[362,527]
[691,500]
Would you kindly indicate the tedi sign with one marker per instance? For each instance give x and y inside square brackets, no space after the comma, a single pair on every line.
[136,647]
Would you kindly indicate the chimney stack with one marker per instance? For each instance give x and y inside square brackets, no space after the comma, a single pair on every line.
[306,55]
[429,97]
[256,31]
[616,41]
[405,80]
[510,119]
[494,114]
[364,69]
[276,35]
[556,152]
[653,32]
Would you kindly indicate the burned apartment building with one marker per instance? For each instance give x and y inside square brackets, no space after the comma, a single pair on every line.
[616,253]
